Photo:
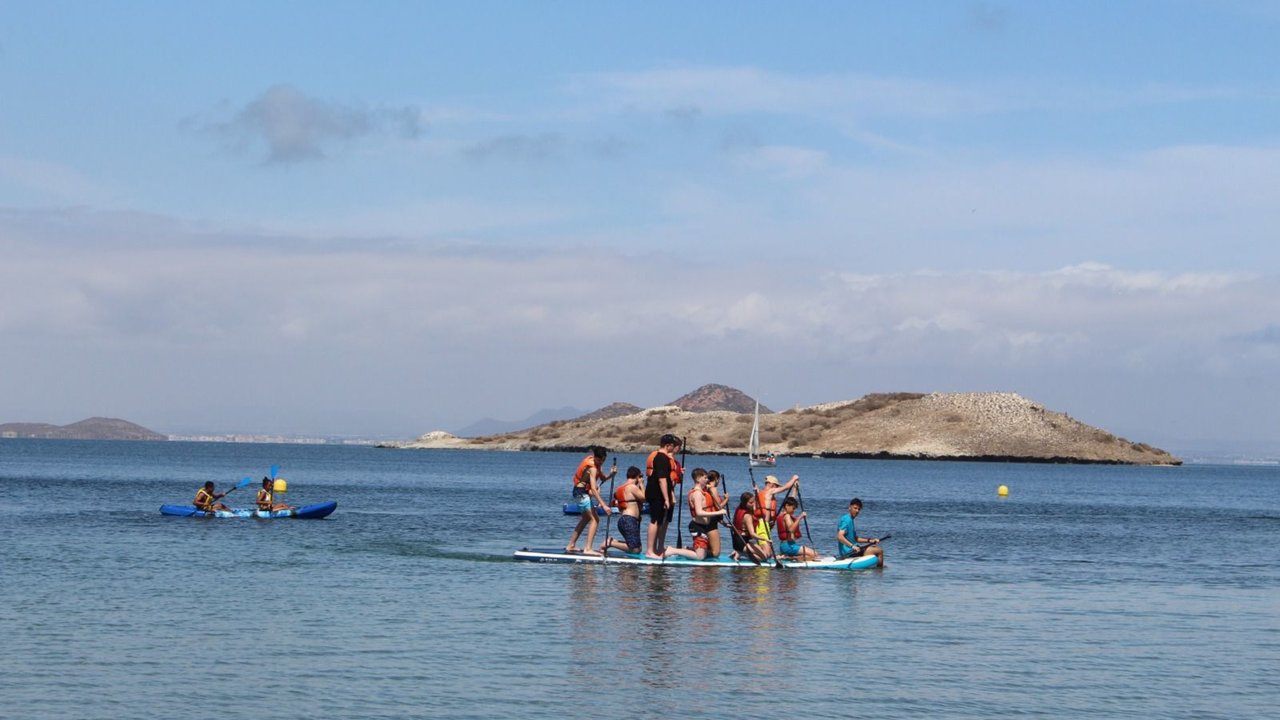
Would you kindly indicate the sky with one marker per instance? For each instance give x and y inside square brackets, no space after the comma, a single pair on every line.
[383,219]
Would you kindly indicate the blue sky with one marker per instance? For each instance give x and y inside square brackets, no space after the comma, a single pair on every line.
[383,219]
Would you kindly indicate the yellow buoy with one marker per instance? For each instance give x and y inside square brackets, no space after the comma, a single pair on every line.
[1002,491]
[281,485]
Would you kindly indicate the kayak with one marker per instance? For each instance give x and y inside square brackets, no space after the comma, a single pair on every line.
[573,509]
[560,556]
[306,512]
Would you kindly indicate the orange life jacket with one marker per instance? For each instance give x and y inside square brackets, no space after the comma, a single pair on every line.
[677,472]
[580,475]
[708,504]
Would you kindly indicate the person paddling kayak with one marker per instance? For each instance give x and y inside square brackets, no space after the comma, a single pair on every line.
[207,499]
[266,498]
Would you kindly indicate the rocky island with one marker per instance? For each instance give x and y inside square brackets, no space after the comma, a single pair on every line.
[716,419]
[94,428]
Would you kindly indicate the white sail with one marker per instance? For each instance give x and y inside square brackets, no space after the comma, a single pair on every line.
[754,458]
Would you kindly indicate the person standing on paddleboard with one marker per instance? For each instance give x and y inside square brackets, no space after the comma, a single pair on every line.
[586,490]
[847,537]
[664,473]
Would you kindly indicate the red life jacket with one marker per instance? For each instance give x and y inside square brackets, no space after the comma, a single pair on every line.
[580,475]
[740,522]
[783,533]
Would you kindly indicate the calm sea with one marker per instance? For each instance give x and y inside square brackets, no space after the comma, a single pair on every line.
[1088,592]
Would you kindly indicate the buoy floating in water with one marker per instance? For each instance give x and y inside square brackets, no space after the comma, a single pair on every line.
[1003,491]
[281,486]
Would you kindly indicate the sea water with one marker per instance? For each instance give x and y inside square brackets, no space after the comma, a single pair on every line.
[1089,591]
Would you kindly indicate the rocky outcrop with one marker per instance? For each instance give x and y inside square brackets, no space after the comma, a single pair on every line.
[951,426]
[713,397]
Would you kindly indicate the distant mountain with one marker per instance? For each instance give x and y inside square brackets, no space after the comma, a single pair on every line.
[95,428]
[718,397]
[490,426]
[618,409]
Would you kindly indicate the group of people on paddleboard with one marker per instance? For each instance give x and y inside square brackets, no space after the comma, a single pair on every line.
[760,513]
[209,501]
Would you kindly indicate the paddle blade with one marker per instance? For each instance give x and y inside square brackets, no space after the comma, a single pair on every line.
[274,469]
[244,483]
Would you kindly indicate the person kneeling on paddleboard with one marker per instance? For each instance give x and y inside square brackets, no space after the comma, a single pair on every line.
[847,537]
[628,499]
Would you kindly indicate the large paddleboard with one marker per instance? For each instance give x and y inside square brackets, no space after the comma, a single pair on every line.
[306,512]
[615,558]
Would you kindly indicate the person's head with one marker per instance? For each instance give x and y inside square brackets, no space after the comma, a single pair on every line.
[771,480]
[713,477]
[668,441]
[208,485]
[699,475]
[789,505]
[599,452]
[266,483]
[747,501]
[855,506]
[634,473]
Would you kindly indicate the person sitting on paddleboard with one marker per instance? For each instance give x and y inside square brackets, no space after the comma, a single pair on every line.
[628,499]
[586,489]
[847,537]
[206,499]
[266,498]
[789,532]
[747,540]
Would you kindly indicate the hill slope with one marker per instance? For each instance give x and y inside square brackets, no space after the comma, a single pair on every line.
[972,426]
[95,428]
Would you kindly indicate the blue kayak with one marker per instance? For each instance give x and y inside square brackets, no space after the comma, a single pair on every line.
[306,512]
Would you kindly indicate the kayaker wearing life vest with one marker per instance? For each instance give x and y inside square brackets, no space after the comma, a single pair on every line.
[664,473]
[266,498]
[628,498]
[206,499]
[586,488]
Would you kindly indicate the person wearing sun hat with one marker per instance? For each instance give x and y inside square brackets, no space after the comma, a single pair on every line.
[768,500]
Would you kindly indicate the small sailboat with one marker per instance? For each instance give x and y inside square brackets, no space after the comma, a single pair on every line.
[754,457]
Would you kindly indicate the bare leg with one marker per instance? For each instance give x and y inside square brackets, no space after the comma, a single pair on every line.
[587,516]
[650,548]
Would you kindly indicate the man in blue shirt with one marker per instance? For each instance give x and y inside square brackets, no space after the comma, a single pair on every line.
[847,537]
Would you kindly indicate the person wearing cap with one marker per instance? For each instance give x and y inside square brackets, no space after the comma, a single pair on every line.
[628,499]
[586,489]
[847,537]
[207,499]
[768,500]
[660,493]
[266,498]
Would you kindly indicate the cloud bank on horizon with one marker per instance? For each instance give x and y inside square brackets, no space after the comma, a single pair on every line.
[387,225]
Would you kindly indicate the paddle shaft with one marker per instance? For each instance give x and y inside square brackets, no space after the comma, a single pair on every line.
[608,517]
[679,497]
[805,519]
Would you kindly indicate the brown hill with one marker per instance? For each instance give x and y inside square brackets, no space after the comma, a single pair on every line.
[618,409]
[956,426]
[717,397]
[95,428]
